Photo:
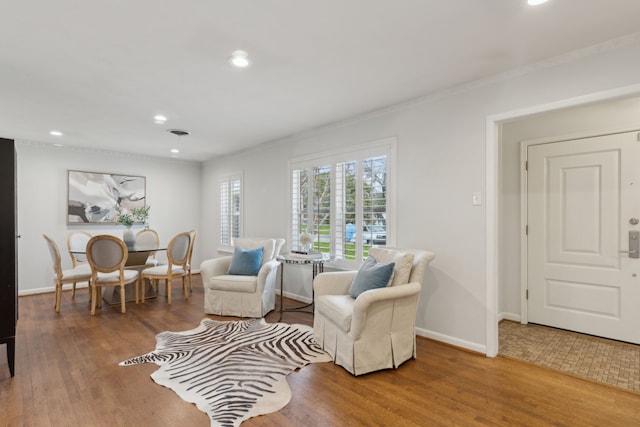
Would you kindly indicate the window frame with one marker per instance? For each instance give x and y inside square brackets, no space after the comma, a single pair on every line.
[229,180]
[358,153]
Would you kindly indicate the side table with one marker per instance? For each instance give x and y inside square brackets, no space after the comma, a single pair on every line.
[317,265]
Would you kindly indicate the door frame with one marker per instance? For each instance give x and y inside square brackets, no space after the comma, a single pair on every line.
[492,190]
[524,206]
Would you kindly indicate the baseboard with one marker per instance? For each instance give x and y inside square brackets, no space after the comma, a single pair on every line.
[305,300]
[53,288]
[49,289]
[509,316]
[479,348]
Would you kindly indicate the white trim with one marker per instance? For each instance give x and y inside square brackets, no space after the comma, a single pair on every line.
[568,57]
[451,340]
[524,209]
[514,317]
[229,178]
[492,249]
[492,145]
[295,297]
[358,152]
[51,289]
[99,151]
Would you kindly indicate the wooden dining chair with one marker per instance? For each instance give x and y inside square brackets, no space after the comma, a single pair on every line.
[192,234]
[177,258]
[107,256]
[149,238]
[62,277]
[77,246]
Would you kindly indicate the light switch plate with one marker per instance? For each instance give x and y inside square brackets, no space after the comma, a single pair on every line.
[476,199]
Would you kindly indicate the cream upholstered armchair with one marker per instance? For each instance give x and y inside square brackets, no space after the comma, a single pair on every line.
[375,330]
[242,295]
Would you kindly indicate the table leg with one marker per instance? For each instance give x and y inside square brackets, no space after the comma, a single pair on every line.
[281,291]
[317,268]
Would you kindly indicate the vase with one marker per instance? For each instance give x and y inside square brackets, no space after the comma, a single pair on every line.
[129,237]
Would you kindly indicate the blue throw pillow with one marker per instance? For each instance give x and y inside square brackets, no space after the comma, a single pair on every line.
[372,275]
[246,262]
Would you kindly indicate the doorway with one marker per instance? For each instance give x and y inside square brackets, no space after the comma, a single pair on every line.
[582,199]
[617,109]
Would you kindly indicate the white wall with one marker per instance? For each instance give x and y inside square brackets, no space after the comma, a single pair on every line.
[173,191]
[590,119]
[441,162]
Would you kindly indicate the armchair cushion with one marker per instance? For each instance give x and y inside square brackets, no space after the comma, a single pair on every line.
[234,283]
[371,275]
[403,261]
[338,308]
[246,262]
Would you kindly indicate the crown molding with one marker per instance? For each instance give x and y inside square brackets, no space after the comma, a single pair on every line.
[102,152]
[566,58]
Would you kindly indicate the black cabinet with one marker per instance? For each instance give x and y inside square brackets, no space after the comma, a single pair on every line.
[8,250]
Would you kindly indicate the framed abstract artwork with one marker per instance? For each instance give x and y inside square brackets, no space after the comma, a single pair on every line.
[92,197]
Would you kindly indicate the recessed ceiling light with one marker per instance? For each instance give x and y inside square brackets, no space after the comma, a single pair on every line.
[55,133]
[175,150]
[536,2]
[240,59]
[159,119]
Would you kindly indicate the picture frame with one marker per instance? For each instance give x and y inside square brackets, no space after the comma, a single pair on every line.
[92,197]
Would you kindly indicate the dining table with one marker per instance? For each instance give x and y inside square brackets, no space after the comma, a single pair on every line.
[136,260]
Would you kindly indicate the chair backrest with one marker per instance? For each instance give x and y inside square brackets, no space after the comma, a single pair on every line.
[106,253]
[421,259]
[279,245]
[192,235]
[55,255]
[178,249]
[77,241]
[271,246]
[148,238]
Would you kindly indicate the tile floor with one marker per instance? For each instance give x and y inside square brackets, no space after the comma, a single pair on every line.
[611,362]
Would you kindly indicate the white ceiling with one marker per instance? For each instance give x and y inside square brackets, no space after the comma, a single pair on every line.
[100,70]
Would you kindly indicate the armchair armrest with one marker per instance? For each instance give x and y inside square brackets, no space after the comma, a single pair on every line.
[214,267]
[269,268]
[368,298]
[333,283]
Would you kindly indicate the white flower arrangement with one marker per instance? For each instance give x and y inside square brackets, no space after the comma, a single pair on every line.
[306,240]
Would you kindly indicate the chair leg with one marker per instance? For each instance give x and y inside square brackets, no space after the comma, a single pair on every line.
[167,286]
[142,290]
[58,297]
[184,288]
[73,291]
[94,297]
[123,308]
[137,285]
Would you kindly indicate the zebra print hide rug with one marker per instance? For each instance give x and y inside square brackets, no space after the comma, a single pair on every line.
[233,370]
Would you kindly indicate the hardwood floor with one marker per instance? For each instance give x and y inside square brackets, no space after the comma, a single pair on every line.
[67,374]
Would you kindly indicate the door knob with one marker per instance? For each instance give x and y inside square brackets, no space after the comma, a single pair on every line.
[634,244]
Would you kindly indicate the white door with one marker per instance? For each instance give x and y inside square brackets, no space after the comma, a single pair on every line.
[582,198]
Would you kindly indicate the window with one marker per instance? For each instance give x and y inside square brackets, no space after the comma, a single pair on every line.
[343,201]
[230,209]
